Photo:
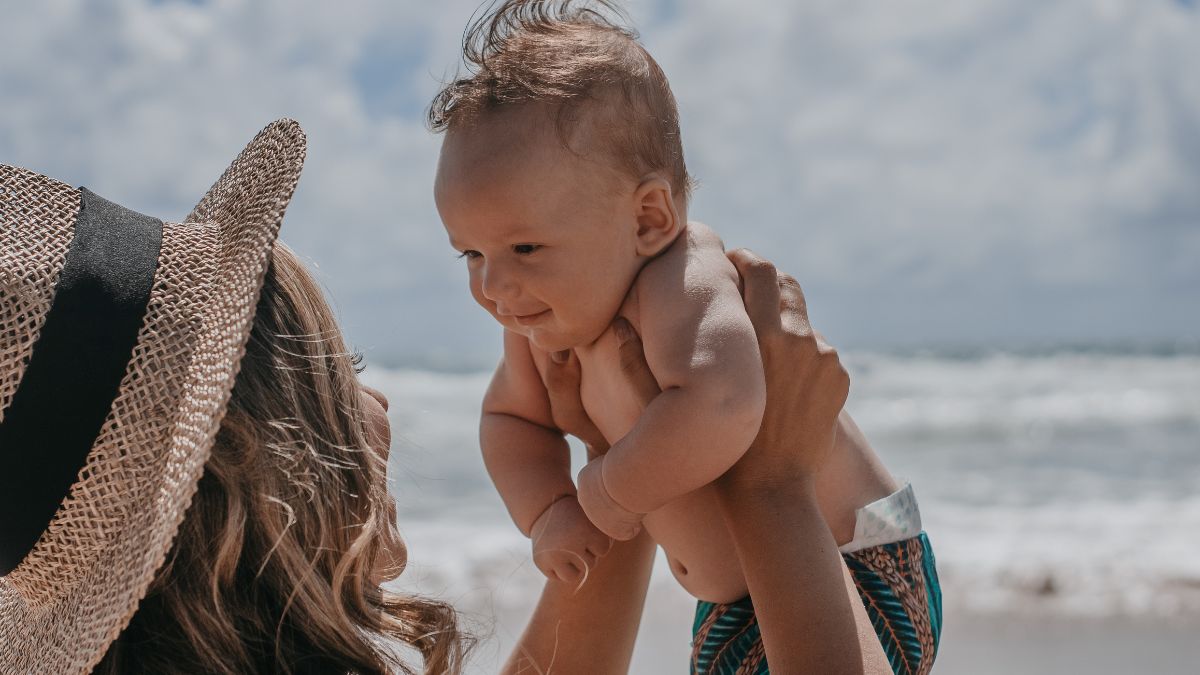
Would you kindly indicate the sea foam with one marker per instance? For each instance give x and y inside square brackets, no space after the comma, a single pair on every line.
[1060,483]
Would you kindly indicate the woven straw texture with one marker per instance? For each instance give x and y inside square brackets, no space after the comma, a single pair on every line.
[37,222]
[78,588]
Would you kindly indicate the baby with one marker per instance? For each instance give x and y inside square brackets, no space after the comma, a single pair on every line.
[562,184]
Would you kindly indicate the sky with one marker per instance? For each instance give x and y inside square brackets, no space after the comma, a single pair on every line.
[988,173]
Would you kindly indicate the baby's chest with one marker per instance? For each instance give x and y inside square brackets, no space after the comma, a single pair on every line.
[604,393]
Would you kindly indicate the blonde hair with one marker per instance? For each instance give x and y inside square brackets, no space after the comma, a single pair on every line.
[273,567]
[566,54]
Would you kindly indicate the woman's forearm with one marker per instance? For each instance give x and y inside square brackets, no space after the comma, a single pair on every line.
[809,613]
[591,630]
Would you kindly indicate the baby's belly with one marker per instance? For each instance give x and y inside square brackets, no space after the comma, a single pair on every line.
[699,547]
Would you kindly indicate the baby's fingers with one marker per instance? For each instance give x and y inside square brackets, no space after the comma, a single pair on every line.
[567,572]
[601,547]
[619,526]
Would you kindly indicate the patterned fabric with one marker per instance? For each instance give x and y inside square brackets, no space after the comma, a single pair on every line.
[899,588]
[893,518]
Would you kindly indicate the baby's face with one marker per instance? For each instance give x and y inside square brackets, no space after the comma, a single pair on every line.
[548,238]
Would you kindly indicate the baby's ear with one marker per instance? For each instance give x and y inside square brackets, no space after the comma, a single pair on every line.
[658,220]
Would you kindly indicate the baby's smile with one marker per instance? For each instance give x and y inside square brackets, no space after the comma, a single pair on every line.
[531,319]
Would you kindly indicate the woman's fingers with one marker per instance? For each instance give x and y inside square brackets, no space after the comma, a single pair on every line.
[633,363]
[760,290]
[793,308]
[806,382]
[564,375]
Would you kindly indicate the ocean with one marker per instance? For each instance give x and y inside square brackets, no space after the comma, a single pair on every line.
[1059,483]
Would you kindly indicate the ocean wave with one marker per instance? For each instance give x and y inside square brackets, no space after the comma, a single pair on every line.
[1098,559]
[1059,483]
[1095,558]
[1004,394]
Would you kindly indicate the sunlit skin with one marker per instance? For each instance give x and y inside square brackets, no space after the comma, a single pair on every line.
[549,239]
[558,241]
[548,236]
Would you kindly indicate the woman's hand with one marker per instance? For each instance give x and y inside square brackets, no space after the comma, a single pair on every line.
[806,604]
[562,383]
[806,383]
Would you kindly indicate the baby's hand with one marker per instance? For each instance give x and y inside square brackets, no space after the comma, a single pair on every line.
[605,513]
[565,543]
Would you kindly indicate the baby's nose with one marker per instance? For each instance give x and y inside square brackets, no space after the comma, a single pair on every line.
[499,284]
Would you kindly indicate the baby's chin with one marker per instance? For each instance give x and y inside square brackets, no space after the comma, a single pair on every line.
[542,339]
[546,341]
[553,341]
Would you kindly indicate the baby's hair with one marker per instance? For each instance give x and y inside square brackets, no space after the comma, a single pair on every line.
[565,54]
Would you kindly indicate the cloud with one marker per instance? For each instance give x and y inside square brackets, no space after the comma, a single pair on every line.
[933,172]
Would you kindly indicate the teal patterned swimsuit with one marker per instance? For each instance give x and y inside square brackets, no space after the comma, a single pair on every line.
[897,582]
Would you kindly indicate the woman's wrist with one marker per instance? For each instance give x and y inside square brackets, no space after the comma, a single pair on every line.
[739,492]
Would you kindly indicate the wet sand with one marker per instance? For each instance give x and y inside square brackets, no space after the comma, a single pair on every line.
[971,645]
[975,645]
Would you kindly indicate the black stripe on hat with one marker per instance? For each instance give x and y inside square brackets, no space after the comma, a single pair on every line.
[75,369]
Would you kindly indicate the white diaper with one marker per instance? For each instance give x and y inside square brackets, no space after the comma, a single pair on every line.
[886,521]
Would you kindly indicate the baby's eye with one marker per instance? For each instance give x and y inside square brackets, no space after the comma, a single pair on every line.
[469,254]
[525,249]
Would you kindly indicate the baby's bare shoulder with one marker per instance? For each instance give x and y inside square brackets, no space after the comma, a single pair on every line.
[694,326]
[703,237]
[695,264]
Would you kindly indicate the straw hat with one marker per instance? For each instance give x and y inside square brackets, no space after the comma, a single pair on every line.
[120,338]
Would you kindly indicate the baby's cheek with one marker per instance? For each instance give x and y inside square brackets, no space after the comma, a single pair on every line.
[490,306]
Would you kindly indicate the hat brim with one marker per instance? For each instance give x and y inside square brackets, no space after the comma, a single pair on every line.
[78,588]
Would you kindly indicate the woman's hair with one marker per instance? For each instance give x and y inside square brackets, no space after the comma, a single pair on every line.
[578,59]
[273,569]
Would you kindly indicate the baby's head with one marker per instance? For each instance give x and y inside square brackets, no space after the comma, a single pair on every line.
[562,172]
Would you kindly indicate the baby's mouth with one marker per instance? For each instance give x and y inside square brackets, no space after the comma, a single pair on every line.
[530,319]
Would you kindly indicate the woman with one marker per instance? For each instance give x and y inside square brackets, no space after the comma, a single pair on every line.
[276,567]
[166,512]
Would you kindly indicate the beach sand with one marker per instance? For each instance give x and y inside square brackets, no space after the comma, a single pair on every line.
[1032,645]
[971,644]
[497,596]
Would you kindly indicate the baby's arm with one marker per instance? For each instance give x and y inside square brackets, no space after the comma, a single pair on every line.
[702,349]
[530,464]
